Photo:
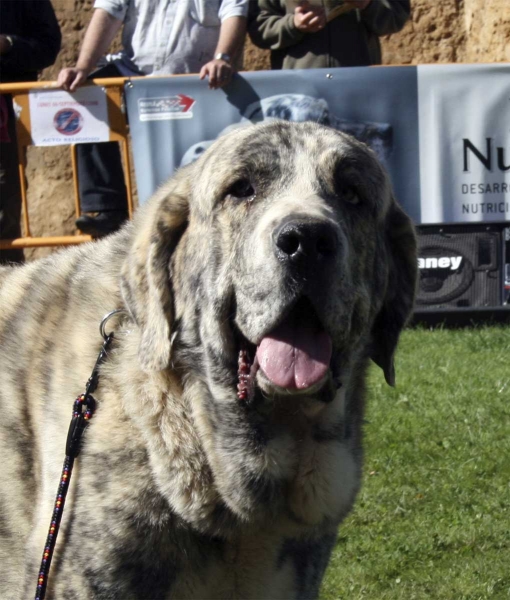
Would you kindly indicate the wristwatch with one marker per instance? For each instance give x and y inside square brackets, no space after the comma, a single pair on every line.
[222,56]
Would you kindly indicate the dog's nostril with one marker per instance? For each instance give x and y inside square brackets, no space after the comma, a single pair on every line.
[288,242]
[306,243]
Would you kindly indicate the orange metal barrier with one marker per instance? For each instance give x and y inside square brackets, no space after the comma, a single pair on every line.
[118,133]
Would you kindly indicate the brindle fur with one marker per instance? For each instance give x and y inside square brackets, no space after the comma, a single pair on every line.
[182,490]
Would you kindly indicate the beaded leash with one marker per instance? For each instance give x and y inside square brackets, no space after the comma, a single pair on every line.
[83,410]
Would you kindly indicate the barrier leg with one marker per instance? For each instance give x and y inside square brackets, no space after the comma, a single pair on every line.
[74,164]
[22,163]
[127,176]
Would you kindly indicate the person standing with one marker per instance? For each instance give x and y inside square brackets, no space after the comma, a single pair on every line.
[159,37]
[29,42]
[325,33]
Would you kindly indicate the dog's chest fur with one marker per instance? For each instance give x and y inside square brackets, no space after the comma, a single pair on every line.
[121,539]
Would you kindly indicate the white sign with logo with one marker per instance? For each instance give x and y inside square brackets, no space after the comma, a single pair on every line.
[464,124]
[58,117]
[165,108]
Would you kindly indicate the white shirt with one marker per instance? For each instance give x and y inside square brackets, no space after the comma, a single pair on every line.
[163,37]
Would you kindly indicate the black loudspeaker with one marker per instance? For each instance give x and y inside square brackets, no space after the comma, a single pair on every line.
[461,266]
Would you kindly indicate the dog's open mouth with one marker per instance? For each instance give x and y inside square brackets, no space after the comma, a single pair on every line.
[295,356]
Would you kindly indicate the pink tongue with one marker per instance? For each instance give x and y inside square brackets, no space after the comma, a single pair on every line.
[295,356]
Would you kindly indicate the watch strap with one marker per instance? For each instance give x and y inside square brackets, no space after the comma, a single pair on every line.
[222,56]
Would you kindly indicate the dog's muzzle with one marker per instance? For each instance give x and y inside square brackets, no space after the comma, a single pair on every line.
[295,355]
[308,248]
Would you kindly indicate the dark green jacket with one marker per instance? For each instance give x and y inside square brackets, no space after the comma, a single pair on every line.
[349,40]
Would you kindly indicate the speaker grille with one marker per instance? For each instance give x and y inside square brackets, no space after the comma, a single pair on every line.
[460,267]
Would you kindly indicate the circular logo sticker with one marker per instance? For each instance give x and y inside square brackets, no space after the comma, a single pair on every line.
[68,121]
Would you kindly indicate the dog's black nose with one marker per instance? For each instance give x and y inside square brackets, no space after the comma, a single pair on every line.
[306,244]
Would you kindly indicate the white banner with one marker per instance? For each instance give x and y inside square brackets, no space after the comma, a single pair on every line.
[464,125]
[58,117]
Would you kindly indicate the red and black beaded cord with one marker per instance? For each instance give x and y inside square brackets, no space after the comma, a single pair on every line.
[78,423]
[83,410]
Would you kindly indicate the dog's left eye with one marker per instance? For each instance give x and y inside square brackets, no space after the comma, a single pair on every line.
[242,188]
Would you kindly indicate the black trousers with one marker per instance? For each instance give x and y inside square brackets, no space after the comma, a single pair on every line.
[10,189]
[101,181]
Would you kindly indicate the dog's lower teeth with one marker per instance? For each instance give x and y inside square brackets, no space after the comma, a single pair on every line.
[243,375]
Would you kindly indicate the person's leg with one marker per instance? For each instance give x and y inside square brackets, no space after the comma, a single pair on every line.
[101,181]
[101,187]
[10,190]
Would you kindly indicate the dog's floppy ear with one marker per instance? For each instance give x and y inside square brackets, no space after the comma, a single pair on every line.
[399,299]
[145,284]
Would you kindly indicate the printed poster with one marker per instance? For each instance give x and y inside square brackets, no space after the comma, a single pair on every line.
[442,131]
[58,117]
[174,119]
[464,117]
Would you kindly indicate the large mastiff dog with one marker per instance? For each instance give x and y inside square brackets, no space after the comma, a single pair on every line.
[226,446]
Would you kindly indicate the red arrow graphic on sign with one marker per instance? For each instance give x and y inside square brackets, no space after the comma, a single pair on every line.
[185,101]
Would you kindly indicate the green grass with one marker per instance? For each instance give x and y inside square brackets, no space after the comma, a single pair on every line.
[432,520]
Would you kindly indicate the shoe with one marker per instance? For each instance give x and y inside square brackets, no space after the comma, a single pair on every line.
[103,223]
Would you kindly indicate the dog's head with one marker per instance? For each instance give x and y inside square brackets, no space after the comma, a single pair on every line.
[281,247]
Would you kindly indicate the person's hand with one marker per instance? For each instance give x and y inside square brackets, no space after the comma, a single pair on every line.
[309,19]
[359,4]
[5,44]
[71,78]
[219,73]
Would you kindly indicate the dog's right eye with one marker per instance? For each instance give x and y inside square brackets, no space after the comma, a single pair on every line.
[242,189]
[349,194]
